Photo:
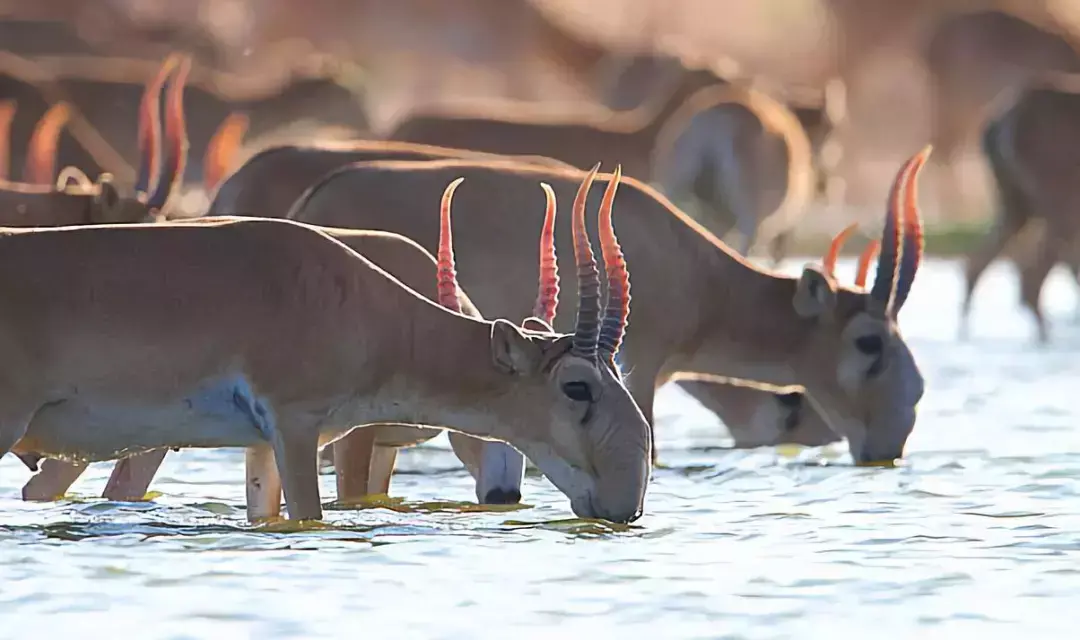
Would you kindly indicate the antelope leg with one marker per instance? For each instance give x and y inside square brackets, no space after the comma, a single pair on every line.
[131,476]
[263,484]
[352,463]
[53,480]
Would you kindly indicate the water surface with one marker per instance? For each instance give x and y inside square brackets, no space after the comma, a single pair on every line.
[978,532]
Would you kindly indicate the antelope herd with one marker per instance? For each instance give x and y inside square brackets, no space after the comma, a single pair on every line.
[337,318]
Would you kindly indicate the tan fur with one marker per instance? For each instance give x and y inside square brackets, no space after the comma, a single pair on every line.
[122,358]
[398,255]
[773,182]
[268,183]
[708,310]
[625,138]
[1032,148]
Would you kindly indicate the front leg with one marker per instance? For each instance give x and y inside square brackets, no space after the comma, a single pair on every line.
[53,479]
[296,449]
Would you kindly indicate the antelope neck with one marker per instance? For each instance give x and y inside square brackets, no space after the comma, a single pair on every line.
[748,327]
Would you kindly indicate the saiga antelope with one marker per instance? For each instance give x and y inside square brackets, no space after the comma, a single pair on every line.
[724,317]
[745,157]
[416,269]
[1031,148]
[273,178]
[973,58]
[788,419]
[355,343]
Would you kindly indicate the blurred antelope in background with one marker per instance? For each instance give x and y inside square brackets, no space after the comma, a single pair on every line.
[1032,148]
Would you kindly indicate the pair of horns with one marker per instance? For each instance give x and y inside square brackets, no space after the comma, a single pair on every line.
[592,333]
[829,263]
[596,330]
[157,176]
[41,157]
[901,243]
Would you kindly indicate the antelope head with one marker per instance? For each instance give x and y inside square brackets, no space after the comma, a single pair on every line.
[564,403]
[156,177]
[865,380]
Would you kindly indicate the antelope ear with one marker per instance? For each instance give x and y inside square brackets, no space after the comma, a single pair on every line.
[512,352]
[536,324]
[815,294]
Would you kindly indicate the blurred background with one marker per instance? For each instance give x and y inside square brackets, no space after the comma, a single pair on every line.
[884,77]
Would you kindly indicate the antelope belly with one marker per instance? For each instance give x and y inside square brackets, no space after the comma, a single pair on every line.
[224,413]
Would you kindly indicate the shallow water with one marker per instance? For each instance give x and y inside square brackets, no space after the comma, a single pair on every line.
[979,531]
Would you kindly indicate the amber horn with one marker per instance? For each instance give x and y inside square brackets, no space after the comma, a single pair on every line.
[547,297]
[828,265]
[7,115]
[222,150]
[41,160]
[175,146]
[587,326]
[150,129]
[617,304]
[447,288]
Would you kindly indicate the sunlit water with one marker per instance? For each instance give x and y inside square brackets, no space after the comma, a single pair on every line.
[979,532]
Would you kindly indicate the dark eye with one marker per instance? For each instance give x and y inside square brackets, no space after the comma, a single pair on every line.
[578,391]
[870,345]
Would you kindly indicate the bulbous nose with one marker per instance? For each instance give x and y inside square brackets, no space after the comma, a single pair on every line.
[499,495]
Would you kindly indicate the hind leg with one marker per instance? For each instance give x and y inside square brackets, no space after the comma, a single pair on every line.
[131,476]
[53,480]
[1032,278]
[352,463]
[981,258]
[778,247]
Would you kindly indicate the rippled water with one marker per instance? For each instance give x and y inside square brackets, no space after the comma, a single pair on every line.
[978,532]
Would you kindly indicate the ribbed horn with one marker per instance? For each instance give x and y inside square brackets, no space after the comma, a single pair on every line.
[175,149]
[888,265]
[447,287]
[828,264]
[41,160]
[911,256]
[587,326]
[221,152]
[863,269]
[150,129]
[7,114]
[547,297]
[617,304]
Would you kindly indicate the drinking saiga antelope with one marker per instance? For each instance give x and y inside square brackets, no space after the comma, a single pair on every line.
[725,316]
[279,175]
[283,173]
[417,269]
[312,339]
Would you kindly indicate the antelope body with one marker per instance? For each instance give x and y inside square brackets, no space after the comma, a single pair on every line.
[707,311]
[745,157]
[625,138]
[311,340]
[1032,150]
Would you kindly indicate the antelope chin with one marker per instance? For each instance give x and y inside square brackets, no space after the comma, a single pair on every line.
[574,482]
